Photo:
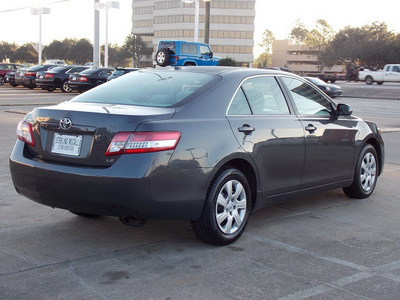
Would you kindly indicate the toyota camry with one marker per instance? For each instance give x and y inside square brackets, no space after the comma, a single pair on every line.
[208,145]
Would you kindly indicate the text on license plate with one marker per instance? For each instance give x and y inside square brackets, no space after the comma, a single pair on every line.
[67,144]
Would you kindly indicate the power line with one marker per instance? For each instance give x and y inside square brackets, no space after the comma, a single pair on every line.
[32,6]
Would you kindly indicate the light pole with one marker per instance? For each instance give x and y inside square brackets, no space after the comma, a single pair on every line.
[106,6]
[40,11]
[196,18]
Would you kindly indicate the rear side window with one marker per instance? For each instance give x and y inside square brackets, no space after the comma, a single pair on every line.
[189,48]
[307,99]
[154,88]
[259,96]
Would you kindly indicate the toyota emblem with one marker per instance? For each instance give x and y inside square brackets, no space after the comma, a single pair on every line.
[65,123]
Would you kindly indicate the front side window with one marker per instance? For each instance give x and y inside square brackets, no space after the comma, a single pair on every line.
[307,99]
[204,50]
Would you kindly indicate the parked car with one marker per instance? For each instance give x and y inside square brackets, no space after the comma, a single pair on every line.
[208,145]
[27,77]
[59,62]
[331,90]
[10,78]
[58,78]
[89,78]
[181,53]
[6,68]
[120,71]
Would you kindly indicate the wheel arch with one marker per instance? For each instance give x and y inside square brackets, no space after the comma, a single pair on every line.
[189,63]
[374,143]
[248,171]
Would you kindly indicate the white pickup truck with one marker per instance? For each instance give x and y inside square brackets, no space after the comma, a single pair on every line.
[390,73]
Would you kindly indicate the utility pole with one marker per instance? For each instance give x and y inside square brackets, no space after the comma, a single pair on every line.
[207,23]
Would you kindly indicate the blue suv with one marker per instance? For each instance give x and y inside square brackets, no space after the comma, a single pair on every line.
[181,53]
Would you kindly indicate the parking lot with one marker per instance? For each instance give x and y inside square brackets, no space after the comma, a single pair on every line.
[326,246]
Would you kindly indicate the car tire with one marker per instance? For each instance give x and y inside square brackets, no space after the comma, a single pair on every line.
[65,87]
[365,174]
[380,82]
[226,210]
[85,215]
[162,57]
[369,80]
[1,80]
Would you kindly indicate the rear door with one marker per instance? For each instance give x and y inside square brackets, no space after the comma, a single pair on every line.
[266,129]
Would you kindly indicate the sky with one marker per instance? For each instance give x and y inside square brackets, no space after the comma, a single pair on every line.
[74,18]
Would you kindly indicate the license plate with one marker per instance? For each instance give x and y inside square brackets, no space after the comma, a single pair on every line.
[67,144]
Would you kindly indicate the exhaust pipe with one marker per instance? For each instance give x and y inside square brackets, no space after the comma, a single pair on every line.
[131,221]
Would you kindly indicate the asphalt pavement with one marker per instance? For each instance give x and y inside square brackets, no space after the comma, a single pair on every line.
[325,246]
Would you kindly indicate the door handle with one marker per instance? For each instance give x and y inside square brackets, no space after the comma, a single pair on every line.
[246,129]
[311,128]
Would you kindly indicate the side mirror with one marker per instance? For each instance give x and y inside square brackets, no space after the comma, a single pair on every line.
[344,110]
[211,55]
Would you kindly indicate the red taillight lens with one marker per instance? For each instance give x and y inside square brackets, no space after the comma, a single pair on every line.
[25,132]
[49,75]
[82,78]
[30,74]
[142,142]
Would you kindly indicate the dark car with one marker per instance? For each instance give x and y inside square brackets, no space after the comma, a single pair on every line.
[6,68]
[10,78]
[58,78]
[27,77]
[89,78]
[208,145]
[331,90]
[120,71]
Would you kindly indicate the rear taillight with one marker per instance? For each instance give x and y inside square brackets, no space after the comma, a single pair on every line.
[49,75]
[25,132]
[82,78]
[142,142]
[30,74]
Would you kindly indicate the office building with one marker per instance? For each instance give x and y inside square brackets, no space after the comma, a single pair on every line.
[231,25]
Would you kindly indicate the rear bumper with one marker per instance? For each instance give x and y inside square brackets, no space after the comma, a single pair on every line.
[131,186]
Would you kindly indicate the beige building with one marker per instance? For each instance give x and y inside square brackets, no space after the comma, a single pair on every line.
[231,25]
[298,59]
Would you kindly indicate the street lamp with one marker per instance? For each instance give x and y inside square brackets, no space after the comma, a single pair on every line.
[40,11]
[196,17]
[106,6]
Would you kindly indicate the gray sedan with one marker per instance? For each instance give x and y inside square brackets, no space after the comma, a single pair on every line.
[204,144]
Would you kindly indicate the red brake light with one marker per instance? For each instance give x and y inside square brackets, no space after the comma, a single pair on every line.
[83,78]
[49,75]
[30,74]
[25,132]
[142,142]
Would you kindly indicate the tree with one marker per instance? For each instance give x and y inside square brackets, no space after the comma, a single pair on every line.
[371,45]
[7,51]
[136,48]
[227,61]
[318,38]
[267,43]
[26,53]
[80,52]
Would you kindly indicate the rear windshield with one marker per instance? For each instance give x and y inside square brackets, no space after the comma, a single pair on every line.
[149,88]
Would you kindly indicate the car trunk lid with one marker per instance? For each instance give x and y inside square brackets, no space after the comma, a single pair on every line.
[80,133]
